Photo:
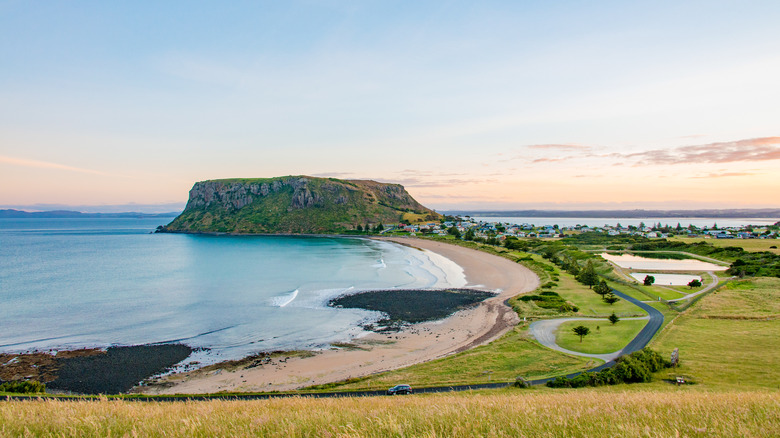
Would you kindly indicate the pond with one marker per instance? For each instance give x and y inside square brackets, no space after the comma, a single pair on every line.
[667,279]
[634,262]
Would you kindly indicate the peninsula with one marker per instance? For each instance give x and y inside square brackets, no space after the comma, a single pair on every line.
[295,205]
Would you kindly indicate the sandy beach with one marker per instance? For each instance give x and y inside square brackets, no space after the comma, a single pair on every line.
[379,352]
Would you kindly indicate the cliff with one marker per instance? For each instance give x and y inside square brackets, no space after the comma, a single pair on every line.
[295,205]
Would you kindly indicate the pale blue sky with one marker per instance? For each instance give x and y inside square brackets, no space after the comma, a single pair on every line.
[468,104]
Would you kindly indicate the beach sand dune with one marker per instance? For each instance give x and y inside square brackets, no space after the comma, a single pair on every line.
[379,352]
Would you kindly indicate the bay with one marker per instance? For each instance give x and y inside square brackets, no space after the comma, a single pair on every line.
[74,283]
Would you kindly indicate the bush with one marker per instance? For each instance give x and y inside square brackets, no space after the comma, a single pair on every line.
[634,368]
[23,387]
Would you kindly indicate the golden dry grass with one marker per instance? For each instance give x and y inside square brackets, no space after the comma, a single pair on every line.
[511,413]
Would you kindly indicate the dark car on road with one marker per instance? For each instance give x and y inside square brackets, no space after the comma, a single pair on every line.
[399,389]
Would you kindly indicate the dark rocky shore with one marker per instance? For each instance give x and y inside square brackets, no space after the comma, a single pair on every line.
[93,371]
[411,306]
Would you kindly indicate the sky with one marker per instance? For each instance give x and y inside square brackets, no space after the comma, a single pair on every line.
[470,105]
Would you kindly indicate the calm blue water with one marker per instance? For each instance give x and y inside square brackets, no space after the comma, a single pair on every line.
[71,283]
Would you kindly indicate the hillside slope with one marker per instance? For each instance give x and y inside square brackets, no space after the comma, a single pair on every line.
[294,205]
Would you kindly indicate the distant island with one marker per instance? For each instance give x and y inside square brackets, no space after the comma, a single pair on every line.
[66,214]
[296,205]
[769,213]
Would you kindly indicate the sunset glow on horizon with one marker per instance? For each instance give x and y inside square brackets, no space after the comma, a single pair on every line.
[488,105]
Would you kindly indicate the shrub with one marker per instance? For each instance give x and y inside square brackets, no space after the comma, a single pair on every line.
[23,387]
[634,368]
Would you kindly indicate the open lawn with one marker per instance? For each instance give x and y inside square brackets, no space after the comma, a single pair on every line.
[513,355]
[752,245]
[603,338]
[507,413]
[730,338]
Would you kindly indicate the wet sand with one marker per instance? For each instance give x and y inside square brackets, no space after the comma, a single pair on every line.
[379,352]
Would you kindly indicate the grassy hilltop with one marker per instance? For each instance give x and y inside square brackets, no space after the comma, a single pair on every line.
[296,205]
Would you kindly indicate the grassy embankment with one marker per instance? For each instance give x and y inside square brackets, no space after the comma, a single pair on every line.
[731,338]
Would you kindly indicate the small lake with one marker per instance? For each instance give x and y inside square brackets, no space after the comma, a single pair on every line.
[629,261]
[667,279]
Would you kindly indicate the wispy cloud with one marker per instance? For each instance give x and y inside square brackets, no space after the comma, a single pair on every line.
[47,165]
[551,160]
[334,174]
[560,147]
[722,175]
[754,149]
[447,182]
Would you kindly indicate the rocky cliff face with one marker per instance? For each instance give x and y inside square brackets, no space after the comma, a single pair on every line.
[295,204]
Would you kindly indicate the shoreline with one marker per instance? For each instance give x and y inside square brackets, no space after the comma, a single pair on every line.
[378,352]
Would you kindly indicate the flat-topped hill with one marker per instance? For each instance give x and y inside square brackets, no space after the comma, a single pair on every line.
[296,205]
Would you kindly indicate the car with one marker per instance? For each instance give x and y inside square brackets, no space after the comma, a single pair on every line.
[399,389]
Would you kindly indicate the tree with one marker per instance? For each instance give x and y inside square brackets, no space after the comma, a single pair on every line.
[588,275]
[470,234]
[581,331]
[694,283]
[360,227]
[602,288]
[453,231]
[649,280]
[610,299]
[613,318]
[379,228]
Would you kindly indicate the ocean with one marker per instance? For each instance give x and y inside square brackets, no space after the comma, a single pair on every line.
[76,283]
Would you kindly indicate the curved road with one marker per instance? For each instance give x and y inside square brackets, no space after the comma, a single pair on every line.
[546,331]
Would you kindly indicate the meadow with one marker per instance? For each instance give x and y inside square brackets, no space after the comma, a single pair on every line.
[505,413]
[731,338]
[753,245]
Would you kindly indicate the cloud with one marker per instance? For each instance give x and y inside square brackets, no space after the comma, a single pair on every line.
[754,149]
[560,147]
[448,182]
[333,174]
[47,165]
[551,160]
[723,175]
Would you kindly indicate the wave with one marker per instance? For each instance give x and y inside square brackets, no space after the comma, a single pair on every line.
[381,264]
[284,300]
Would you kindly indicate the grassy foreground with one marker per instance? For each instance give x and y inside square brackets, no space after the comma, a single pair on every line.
[508,414]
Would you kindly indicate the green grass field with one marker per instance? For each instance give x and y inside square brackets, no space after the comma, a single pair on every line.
[731,338]
[603,338]
[753,245]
